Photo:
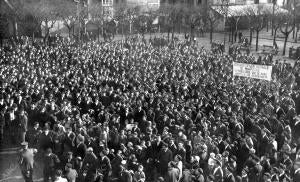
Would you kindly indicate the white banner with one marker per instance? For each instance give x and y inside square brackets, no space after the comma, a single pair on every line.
[262,72]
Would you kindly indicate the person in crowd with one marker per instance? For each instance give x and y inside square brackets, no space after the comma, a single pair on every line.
[58,177]
[139,175]
[23,124]
[105,165]
[51,162]
[70,173]
[164,157]
[173,173]
[26,161]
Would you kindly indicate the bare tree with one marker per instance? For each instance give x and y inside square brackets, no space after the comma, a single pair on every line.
[44,14]
[233,20]
[131,14]
[140,24]
[297,19]
[297,24]
[274,3]
[151,16]
[120,16]
[172,17]
[193,18]
[67,11]
[257,16]
[97,18]
[278,19]
[286,28]
[212,20]
[11,11]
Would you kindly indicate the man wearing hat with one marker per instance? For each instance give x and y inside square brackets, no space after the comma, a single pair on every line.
[46,138]
[104,165]
[90,164]
[80,147]
[23,122]
[164,157]
[51,161]
[26,161]
[33,134]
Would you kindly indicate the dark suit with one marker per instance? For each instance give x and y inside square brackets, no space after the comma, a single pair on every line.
[182,153]
[80,150]
[105,167]
[156,147]
[46,141]
[68,142]
[221,147]
[279,112]
[125,176]
[164,157]
[50,162]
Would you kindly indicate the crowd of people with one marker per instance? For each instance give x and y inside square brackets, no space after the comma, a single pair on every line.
[129,111]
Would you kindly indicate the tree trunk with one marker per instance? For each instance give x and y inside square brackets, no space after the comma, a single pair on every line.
[232,36]
[294,30]
[98,34]
[296,36]
[275,34]
[179,29]
[251,32]
[211,34]
[122,29]
[192,32]
[15,27]
[284,45]
[273,9]
[69,29]
[130,27]
[257,34]
[173,31]
[32,37]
